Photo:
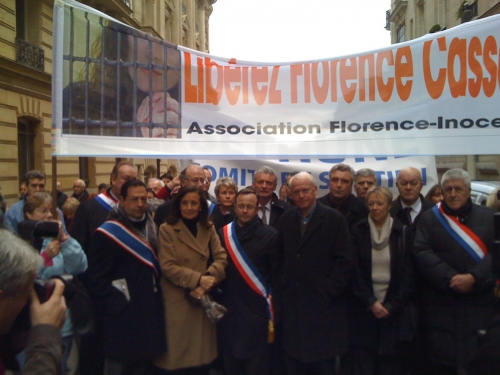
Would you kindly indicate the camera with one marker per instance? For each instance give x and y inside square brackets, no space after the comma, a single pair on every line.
[45,288]
[34,231]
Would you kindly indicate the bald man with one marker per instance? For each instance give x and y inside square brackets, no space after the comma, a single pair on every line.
[408,206]
[80,191]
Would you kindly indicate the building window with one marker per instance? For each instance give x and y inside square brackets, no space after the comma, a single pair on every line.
[25,146]
[400,35]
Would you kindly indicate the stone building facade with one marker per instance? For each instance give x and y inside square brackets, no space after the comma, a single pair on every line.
[25,84]
[410,19]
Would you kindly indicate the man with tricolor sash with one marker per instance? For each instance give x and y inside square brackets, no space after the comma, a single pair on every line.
[124,278]
[89,216]
[451,251]
[248,327]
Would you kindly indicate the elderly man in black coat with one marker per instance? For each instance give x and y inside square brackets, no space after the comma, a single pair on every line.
[451,251]
[316,265]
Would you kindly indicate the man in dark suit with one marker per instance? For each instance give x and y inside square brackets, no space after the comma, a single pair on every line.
[270,206]
[340,196]
[315,268]
[244,332]
[124,283]
[409,205]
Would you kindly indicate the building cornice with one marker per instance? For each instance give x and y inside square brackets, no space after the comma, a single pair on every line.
[23,80]
[399,12]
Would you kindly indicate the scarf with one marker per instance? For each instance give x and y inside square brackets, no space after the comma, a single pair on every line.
[462,214]
[380,239]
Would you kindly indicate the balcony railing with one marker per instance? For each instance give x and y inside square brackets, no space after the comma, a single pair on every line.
[388,20]
[469,12]
[29,55]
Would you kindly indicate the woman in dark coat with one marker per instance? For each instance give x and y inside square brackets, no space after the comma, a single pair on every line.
[225,192]
[381,286]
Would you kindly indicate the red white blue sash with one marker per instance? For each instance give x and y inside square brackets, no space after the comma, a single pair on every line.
[463,235]
[131,243]
[107,201]
[248,271]
[211,206]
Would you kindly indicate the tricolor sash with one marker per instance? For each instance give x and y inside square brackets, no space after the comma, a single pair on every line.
[211,206]
[107,201]
[249,272]
[131,243]
[460,233]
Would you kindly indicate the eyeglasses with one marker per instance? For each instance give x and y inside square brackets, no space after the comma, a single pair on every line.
[76,186]
[249,207]
[197,180]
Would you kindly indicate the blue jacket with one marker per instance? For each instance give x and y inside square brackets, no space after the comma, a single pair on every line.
[71,260]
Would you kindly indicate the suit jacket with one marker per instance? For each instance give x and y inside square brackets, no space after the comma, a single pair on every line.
[243,331]
[278,207]
[315,271]
[398,212]
[353,209]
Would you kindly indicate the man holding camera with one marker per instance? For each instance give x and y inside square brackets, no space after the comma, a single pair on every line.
[18,266]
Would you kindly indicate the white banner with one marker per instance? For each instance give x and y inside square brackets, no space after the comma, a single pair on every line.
[121,92]
[386,169]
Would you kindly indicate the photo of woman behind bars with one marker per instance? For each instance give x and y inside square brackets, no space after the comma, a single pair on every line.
[127,85]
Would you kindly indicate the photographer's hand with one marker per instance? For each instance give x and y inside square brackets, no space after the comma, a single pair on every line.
[53,311]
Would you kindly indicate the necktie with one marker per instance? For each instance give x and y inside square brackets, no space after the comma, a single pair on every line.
[408,214]
[264,217]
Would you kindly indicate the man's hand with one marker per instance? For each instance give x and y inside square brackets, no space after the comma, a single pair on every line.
[379,310]
[53,311]
[462,283]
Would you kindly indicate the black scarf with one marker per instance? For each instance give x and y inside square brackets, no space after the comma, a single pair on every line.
[462,213]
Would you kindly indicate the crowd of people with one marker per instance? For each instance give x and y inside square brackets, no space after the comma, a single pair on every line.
[356,282]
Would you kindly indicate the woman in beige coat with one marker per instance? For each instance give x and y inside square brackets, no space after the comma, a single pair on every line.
[187,242]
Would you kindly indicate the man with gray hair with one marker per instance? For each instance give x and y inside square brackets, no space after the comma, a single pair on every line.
[340,196]
[315,261]
[19,263]
[80,191]
[265,181]
[155,184]
[452,253]
[364,179]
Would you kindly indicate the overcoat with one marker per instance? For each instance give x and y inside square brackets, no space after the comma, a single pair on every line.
[243,332]
[131,330]
[191,337]
[314,277]
[366,329]
[450,320]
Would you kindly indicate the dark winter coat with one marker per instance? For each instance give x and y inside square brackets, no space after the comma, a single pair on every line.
[243,332]
[365,329]
[353,209]
[315,271]
[130,330]
[451,321]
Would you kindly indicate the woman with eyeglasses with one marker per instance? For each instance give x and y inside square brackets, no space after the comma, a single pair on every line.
[193,262]
[61,255]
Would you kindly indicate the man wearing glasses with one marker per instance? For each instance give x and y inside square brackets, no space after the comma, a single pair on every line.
[340,196]
[245,333]
[408,206]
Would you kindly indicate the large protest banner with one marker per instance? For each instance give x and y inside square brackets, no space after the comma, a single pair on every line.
[118,91]
[386,169]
